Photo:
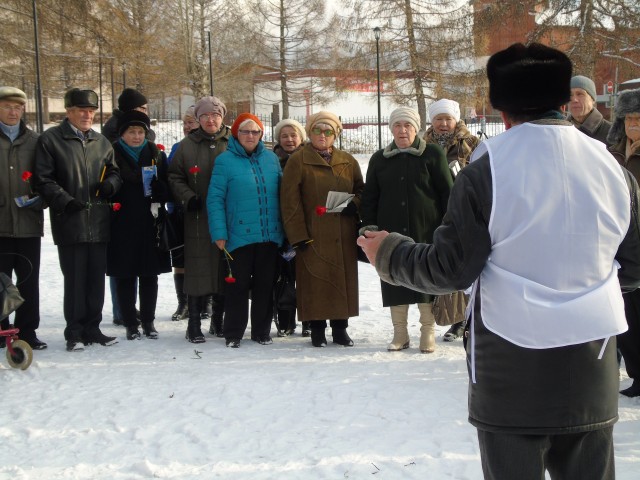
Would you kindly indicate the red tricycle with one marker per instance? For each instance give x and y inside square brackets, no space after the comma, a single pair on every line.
[19,353]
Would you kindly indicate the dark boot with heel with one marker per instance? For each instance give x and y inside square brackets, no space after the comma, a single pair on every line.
[194,332]
[182,312]
[318,338]
[341,337]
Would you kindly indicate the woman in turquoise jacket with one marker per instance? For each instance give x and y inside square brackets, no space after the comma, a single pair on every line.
[244,221]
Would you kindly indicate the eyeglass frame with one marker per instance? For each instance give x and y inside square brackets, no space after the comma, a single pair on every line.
[253,133]
[209,116]
[328,132]
[9,108]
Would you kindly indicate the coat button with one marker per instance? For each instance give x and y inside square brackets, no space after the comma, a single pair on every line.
[403,203]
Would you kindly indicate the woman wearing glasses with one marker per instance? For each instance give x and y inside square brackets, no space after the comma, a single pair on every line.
[189,174]
[244,222]
[326,259]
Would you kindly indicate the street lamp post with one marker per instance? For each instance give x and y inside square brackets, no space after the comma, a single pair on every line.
[100,78]
[40,112]
[210,64]
[376,33]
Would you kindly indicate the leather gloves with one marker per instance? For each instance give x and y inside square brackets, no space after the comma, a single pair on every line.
[194,204]
[105,189]
[74,206]
[350,210]
[159,190]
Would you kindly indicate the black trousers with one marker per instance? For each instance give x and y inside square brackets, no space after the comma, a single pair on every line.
[578,456]
[83,266]
[335,323]
[629,341]
[126,288]
[27,317]
[254,268]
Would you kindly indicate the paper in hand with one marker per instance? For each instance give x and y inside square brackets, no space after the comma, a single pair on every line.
[148,174]
[337,201]
[25,201]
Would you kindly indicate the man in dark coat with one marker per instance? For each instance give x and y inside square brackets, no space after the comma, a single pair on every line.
[548,263]
[583,112]
[130,99]
[20,227]
[76,175]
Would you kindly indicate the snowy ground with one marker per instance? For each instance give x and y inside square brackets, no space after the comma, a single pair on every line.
[169,409]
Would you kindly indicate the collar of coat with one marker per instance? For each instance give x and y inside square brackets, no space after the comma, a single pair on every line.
[312,157]
[591,123]
[200,135]
[68,131]
[416,149]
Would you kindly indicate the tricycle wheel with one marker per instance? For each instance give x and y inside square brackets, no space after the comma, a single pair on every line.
[22,355]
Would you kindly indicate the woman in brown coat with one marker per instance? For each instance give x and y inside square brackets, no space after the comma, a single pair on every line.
[326,260]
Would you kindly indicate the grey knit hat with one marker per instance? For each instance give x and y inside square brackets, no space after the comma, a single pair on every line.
[628,102]
[580,81]
[405,114]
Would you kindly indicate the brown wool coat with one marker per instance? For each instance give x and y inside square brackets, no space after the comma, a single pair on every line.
[326,271]
[203,261]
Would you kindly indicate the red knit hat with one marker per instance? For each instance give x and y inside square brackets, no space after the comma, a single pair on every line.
[241,118]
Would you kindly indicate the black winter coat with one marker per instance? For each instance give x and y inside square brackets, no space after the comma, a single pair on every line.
[66,168]
[132,251]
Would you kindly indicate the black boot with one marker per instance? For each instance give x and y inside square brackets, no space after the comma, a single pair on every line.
[149,330]
[318,338]
[132,332]
[633,390]
[207,310]
[194,333]
[306,329]
[182,312]
[341,337]
[215,327]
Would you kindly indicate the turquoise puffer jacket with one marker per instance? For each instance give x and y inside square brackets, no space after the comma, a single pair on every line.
[243,201]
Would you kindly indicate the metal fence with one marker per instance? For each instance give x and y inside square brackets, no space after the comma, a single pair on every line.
[359,135]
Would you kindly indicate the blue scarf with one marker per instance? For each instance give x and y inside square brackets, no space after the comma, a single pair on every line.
[134,152]
[11,131]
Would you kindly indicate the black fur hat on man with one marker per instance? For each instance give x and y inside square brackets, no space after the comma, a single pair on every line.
[80,98]
[133,118]
[628,102]
[130,99]
[529,79]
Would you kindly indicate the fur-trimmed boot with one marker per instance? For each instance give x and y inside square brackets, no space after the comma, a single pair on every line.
[427,328]
[399,315]
[194,333]
[182,312]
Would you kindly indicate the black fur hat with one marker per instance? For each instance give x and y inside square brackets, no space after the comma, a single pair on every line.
[80,98]
[529,79]
[628,102]
[133,118]
[130,99]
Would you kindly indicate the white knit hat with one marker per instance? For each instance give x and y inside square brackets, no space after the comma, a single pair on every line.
[290,122]
[405,114]
[450,107]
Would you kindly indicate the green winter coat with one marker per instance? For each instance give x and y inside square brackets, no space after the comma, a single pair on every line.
[327,270]
[406,192]
[203,261]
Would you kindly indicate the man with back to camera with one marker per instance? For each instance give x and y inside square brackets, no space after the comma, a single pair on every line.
[583,112]
[21,227]
[76,175]
[548,245]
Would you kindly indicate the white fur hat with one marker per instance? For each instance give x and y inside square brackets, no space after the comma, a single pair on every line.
[290,122]
[450,107]
[405,114]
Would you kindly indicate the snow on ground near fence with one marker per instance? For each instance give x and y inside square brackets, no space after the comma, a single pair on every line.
[173,410]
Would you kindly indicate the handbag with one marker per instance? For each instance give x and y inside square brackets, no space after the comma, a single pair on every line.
[169,230]
[10,299]
[450,308]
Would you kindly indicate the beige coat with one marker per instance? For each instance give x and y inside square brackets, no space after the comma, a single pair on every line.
[326,271]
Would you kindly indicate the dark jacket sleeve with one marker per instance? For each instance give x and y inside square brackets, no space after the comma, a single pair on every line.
[461,245]
[628,255]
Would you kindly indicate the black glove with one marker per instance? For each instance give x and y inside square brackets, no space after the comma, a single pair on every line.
[74,206]
[159,190]
[105,189]
[350,210]
[194,204]
[302,245]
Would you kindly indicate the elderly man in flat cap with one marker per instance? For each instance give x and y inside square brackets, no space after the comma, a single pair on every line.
[76,174]
[582,109]
[547,263]
[21,227]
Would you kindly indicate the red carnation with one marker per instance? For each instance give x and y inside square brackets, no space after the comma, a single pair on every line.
[230,278]
[321,210]
[194,170]
[26,176]
[160,147]
[116,206]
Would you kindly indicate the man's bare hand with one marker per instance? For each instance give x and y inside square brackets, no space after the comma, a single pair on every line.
[370,243]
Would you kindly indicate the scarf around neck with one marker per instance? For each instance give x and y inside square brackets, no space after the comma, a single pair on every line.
[133,152]
[11,131]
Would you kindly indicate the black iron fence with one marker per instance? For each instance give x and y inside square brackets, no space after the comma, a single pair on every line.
[359,135]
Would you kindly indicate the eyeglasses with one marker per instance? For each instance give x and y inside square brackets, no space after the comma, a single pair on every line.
[327,133]
[210,116]
[255,133]
[9,108]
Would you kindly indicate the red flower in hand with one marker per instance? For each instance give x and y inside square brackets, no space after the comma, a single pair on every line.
[194,170]
[116,206]
[160,147]
[321,210]
[26,175]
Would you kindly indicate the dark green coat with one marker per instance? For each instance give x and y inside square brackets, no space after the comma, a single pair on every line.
[406,192]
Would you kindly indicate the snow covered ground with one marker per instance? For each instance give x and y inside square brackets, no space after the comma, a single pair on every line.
[170,409]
